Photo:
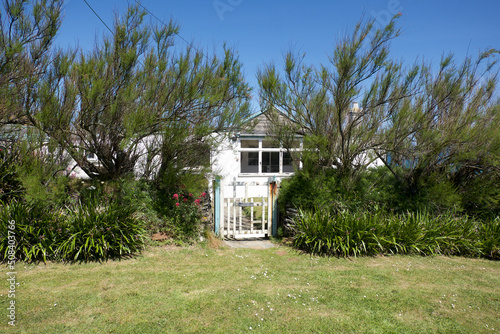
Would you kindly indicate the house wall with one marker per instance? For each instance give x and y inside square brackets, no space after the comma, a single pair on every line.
[225,163]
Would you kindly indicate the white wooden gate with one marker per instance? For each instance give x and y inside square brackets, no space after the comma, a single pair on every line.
[246,210]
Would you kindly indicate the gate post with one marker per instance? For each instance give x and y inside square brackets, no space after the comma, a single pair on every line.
[217,206]
[273,209]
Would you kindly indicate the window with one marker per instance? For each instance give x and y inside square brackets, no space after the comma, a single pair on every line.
[249,144]
[287,162]
[270,162]
[249,162]
[263,156]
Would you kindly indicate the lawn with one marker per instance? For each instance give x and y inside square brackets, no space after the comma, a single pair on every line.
[224,290]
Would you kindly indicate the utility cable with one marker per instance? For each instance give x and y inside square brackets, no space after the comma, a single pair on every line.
[92,9]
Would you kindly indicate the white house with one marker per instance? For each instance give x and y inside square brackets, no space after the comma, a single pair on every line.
[252,158]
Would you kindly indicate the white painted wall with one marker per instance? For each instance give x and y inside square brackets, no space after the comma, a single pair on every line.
[225,162]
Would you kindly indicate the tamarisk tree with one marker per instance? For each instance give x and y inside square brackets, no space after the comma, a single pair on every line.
[318,103]
[27,31]
[448,133]
[123,100]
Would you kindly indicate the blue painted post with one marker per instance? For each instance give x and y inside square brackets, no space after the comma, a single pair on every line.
[217,207]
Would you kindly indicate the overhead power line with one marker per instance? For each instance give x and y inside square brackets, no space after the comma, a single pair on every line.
[92,9]
[150,13]
[162,22]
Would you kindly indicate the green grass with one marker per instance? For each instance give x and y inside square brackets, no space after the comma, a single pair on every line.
[204,290]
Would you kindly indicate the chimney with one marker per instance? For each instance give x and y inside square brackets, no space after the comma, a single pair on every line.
[354,110]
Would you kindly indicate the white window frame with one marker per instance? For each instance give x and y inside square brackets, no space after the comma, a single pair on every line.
[260,150]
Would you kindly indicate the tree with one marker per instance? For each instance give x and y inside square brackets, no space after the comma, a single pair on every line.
[318,103]
[447,136]
[122,101]
[27,31]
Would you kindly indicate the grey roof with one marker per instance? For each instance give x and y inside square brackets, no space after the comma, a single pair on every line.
[258,125]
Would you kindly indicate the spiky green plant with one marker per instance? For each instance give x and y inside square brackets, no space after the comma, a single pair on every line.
[354,234]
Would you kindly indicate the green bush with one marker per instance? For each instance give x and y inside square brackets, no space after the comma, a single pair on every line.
[489,238]
[324,190]
[40,169]
[181,215]
[83,233]
[10,186]
[37,231]
[101,232]
[378,188]
[355,234]
[480,194]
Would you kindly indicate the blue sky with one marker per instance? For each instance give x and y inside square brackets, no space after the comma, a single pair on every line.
[261,31]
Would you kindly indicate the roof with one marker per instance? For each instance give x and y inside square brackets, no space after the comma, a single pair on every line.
[261,125]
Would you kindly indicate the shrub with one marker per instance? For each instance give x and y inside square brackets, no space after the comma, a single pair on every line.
[354,234]
[481,194]
[85,233]
[10,186]
[181,215]
[324,190]
[489,238]
[37,231]
[101,232]
[41,169]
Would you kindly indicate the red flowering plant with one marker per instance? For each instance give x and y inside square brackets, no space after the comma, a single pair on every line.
[182,211]
[186,208]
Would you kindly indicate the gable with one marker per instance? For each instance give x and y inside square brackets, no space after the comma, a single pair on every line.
[261,126]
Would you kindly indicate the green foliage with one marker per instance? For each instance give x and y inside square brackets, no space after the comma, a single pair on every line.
[10,186]
[38,232]
[356,234]
[133,100]
[318,103]
[181,215]
[39,188]
[27,30]
[480,193]
[434,194]
[489,236]
[86,232]
[97,232]
[40,168]
[434,129]
[441,138]
[325,189]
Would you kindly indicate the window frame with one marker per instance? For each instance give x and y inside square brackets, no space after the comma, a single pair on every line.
[263,150]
